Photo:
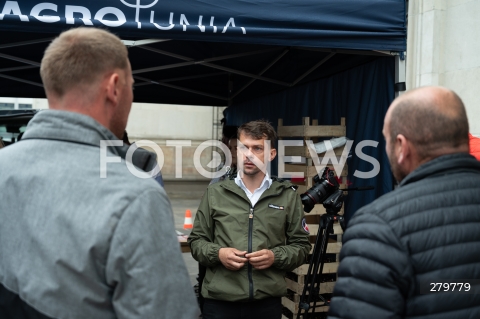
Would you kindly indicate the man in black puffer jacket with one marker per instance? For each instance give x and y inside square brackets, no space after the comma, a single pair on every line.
[400,247]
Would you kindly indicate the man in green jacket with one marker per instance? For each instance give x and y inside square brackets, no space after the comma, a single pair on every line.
[248,231]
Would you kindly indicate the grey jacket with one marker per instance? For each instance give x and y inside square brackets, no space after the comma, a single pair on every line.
[74,245]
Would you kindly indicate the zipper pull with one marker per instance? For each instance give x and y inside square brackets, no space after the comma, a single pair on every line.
[251,213]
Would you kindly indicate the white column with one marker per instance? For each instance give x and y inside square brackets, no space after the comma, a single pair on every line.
[443,49]
[425,42]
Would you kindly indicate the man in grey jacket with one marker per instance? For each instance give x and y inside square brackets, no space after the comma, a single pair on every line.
[74,244]
[415,252]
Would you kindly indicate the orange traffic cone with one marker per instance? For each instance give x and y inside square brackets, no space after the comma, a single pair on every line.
[187,224]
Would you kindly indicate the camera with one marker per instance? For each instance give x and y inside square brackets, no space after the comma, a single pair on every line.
[324,187]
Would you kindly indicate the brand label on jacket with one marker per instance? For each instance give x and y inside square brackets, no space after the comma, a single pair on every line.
[305,226]
[276,207]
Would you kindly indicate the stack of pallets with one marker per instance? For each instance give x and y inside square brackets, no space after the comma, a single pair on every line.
[296,279]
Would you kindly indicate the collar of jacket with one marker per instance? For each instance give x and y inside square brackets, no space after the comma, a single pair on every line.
[78,128]
[442,165]
[275,189]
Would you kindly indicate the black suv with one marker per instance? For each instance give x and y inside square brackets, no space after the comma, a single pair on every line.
[12,125]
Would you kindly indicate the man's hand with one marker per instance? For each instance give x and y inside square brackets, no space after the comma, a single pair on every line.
[261,259]
[232,258]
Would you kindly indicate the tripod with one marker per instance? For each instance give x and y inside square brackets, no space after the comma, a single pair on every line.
[332,204]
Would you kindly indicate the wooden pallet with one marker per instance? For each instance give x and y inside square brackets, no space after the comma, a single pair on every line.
[333,247]
[296,286]
[312,132]
[292,306]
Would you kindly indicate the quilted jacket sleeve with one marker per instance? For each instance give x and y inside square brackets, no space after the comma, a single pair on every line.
[374,273]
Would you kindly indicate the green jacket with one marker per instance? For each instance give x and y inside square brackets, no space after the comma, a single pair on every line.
[222,220]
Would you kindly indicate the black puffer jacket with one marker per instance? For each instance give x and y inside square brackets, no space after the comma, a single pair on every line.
[426,231]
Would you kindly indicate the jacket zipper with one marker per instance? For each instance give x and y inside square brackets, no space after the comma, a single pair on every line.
[249,250]
[250,230]
[250,235]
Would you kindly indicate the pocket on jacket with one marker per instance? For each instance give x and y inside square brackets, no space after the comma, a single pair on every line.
[227,285]
[269,283]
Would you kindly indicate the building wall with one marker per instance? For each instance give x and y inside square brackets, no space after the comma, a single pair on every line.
[165,122]
[443,46]
[160,123]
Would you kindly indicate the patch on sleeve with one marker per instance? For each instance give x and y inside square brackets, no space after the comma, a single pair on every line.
[276,207]
[305,226]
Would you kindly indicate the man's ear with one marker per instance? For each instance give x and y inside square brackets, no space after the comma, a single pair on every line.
[112,88]
[273,153]
[402,149]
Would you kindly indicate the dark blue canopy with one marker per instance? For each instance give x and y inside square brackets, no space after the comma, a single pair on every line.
[341,24]
[264,58]
[213,52]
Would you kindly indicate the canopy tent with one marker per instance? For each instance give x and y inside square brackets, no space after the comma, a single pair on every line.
[257,56]
[236,50]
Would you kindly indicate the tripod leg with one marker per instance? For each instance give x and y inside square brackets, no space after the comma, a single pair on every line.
[328,227]
[341,221]
[315,268]
[306,298]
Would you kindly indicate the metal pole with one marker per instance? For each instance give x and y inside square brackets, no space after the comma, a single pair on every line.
[400,71]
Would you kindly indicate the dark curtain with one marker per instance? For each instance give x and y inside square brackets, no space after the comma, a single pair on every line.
[361,95]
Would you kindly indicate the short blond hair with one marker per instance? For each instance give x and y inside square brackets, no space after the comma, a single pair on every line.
[79,57]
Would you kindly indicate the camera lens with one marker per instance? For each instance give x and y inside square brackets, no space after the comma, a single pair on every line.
[318,193]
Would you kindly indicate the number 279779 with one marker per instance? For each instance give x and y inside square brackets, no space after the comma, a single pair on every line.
[449,286]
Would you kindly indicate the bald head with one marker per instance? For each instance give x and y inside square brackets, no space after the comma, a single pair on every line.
[433,119]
